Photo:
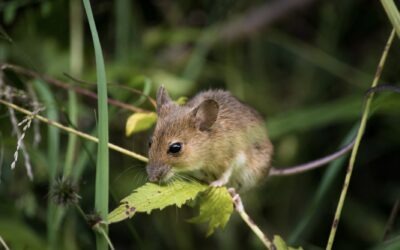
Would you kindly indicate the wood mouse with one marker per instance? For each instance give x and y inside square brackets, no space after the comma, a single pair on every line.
[217,139]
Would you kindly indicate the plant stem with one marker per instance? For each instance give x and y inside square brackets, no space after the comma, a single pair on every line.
[76,62]
[393,14]
[313,211]
[3,243]
[74,131]
[53,148]
[237,201]
[357,143]
[60,84]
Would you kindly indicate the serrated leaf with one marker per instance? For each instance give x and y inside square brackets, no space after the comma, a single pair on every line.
[216,208]
[139,122]
[181,100]
[280,244]
[152,196]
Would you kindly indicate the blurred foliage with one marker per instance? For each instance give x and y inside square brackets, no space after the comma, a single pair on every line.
[306,70]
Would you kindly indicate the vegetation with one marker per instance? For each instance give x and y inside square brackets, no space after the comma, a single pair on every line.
[67,158]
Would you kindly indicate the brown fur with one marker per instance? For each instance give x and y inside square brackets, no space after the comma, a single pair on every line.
[217,132]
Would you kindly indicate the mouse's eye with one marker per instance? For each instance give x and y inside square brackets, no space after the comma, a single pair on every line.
[175,148]
[150,142]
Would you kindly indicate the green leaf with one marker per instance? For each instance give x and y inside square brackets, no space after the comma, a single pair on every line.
[10,10]
[152,196]
[216,208]
[139,122]
[390,244]
[181,100]
[280,244]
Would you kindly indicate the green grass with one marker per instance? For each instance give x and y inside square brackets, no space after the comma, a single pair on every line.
[102,169]
[53,159]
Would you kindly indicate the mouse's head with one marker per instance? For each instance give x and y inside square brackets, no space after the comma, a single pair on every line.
[180,141]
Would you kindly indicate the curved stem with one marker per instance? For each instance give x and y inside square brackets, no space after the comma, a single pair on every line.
[60,84]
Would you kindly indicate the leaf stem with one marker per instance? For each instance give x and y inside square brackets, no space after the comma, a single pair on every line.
[357,143]
[74,131]
[237,201]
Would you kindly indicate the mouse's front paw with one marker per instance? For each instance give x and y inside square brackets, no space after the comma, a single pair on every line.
[218,183]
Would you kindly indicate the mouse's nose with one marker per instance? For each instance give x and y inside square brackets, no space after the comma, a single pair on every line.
[156,173]
[154,178]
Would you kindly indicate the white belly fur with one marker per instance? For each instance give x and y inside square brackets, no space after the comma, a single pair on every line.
[242,176]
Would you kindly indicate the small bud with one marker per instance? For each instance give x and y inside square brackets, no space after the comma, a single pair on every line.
[64,192]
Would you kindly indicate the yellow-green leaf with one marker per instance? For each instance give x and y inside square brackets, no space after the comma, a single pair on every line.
[280,244]
[216,208]
[181,100]
[152,196]
[139,122]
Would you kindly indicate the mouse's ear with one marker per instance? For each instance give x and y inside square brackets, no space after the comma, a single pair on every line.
[162,97]
[206,114]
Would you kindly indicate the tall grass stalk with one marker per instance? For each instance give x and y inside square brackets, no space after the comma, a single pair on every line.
[102,168]
[76,63]
[357,143]
[53,145]
[123,29]
[393,14]
[312,212]
[76,43]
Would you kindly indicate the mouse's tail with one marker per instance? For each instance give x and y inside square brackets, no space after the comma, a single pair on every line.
[312,164]
[324,160]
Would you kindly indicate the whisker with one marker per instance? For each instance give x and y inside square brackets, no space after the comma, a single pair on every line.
[125,171]
[186,177]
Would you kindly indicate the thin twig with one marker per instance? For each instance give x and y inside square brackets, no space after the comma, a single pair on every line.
[3,243]
[74,131]
[64,85]
[36,106]
[392,218]
[103,232]
[259,17]
[237,201]
[20,136]
[357,143]
[135,91]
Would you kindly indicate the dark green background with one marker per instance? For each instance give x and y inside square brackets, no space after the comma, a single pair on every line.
[306,71]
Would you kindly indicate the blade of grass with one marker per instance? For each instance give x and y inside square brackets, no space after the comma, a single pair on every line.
[320,59]
[102,168]
[307,118]
[357,143]
[393,14]
[198,58]
[123,29]
[53,145]
[76,63]
[330,175]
